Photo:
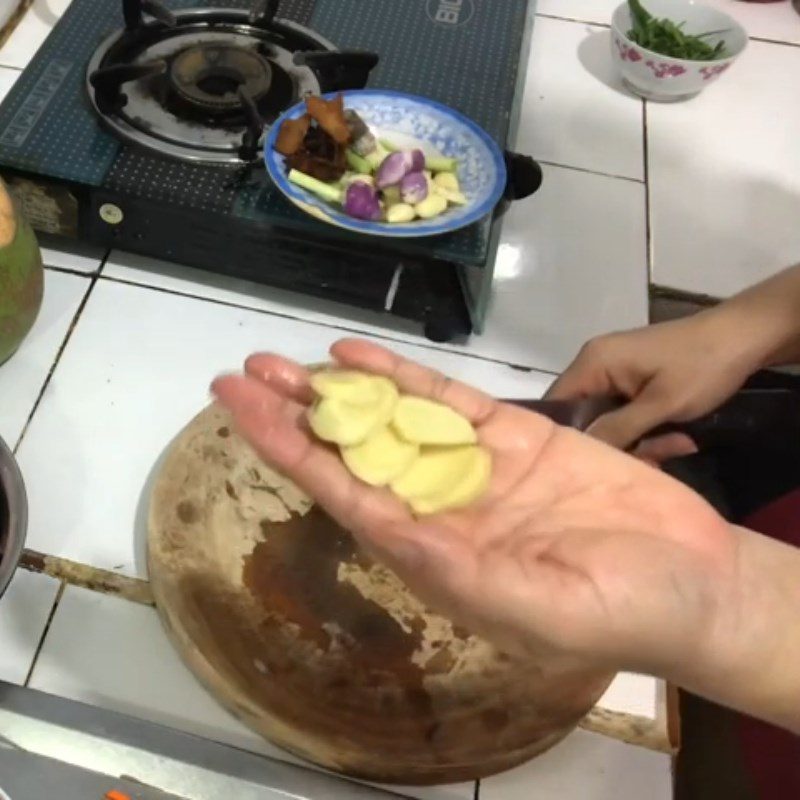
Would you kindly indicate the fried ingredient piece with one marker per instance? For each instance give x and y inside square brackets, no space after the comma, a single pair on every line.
[291,135]
[320,156]
[329,115]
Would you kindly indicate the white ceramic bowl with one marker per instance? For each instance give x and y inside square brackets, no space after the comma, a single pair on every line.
[661,78]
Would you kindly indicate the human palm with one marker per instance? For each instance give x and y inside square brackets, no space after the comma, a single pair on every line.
[576,549]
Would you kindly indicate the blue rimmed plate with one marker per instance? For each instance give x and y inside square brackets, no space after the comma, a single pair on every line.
[407,121]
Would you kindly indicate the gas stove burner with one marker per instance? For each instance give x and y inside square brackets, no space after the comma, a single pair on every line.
[202,85]
[211,77]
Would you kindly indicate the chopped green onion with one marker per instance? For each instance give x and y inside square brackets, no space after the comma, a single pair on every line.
[359,164]
[331,194]
[669,39]
[440,164]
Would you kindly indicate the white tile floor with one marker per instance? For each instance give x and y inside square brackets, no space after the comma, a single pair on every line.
[96,437]
[777,21]
[587,10]
[631,694]
[577,112]
[725,177]
[24,610]
[572,265]
[587,767]
[113,654]
[22,377]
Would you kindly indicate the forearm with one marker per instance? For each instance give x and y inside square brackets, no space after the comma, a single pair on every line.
[752,663]
[763,321]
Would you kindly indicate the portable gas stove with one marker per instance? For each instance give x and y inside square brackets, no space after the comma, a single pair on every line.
[143,130]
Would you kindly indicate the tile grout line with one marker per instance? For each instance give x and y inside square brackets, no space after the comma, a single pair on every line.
[588,171]
[57,359]
[354,331]
[70,271]
[104,260]
[575,19]
[59,594]
[658,291]
[766,40]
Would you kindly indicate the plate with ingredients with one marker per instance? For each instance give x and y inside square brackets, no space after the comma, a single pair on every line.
[385,163]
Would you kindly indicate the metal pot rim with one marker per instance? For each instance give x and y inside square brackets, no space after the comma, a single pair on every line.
[14,498]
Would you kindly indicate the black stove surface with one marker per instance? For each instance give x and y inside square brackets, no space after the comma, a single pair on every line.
[79,177]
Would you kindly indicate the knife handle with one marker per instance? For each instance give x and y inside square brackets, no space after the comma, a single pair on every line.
[768,419]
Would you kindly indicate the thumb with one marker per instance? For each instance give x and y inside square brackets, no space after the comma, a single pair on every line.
[627,425]
[585,376]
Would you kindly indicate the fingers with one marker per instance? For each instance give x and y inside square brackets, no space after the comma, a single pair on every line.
[286,377]
[291,380]
[663,448]
[413,378]
[270,422]
[633,421]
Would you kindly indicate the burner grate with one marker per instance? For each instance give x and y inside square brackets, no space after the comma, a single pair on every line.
[44,129]
[209,77]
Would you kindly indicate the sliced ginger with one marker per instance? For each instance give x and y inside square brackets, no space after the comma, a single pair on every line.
[355,388]
[470,487]
[427,422]
[381,458]
[348,424]
[437,471]
[423,450]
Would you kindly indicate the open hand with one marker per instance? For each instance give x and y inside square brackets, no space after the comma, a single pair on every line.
[577,550]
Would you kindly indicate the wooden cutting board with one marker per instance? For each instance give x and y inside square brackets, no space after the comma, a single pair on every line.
[322,651]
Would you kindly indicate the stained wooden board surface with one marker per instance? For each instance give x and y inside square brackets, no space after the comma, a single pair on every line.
[328,655]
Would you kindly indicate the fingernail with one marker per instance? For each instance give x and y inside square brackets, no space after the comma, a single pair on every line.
[235,393]
[220,386]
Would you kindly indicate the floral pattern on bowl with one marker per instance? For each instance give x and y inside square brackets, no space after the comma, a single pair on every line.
[663,69]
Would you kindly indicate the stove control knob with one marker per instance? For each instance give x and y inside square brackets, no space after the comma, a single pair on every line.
[111,214]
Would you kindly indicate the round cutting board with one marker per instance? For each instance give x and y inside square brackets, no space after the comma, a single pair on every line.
[322,651]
